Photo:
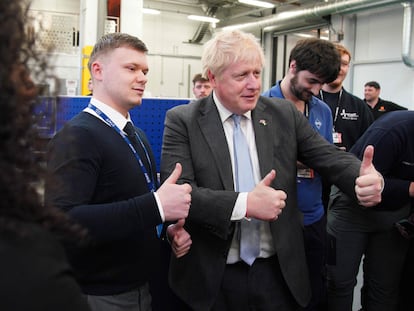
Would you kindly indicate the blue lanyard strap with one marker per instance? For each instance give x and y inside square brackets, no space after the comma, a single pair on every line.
[150,182]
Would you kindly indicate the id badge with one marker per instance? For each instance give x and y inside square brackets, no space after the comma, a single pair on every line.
[305,173]
[337,138]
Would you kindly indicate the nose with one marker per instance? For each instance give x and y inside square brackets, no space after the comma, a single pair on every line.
[253,82]
[142,77]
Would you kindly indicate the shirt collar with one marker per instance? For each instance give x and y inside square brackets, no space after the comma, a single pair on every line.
[119,120]
[224,112]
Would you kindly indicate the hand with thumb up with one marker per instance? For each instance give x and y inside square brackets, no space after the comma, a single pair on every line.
[265,202]
[175,199]
[370,183]
[180,239]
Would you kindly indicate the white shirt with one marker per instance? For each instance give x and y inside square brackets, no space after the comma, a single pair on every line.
[266,244]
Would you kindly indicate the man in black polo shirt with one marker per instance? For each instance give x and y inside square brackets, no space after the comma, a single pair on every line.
[377,105]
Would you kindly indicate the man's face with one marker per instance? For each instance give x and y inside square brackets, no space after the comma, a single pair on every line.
[342,72]
[238,86]
[90,86]
[304,84]
[120,78]
[201,89]
[371,93]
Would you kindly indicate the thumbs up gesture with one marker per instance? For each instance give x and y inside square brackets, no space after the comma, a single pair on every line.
[264,202]
[370,183]
[175,199]
[180,239]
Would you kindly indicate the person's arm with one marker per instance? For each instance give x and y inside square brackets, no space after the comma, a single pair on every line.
[211,209]
[389,149]
[340,168]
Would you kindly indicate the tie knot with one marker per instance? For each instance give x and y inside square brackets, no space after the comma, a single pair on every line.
[236,119]
[129,129]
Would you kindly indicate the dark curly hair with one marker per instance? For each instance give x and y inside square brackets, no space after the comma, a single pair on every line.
[318,56]
[22,174]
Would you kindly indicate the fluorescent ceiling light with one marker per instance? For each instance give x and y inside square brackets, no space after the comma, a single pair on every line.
[203,18]
[150,11]
[261,4]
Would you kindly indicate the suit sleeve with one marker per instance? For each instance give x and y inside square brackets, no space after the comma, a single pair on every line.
[183,142]
[336,166]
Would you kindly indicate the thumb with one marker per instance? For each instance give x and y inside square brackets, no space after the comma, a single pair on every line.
[267,180]
[367,160]
[180,223]
[172,179]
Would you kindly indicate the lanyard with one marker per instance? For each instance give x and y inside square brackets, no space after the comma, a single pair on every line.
[306,110]
[149,180]
[338,104]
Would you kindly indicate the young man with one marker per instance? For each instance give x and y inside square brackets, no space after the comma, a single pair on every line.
[351,116]
[378,106]
[225,269]
[103,175]
[312,63]
[201,86]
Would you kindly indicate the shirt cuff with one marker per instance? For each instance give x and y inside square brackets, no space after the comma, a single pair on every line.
[157,199]
[240,207]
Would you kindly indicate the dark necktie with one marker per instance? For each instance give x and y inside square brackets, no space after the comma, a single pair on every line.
[249,230]
[138,146]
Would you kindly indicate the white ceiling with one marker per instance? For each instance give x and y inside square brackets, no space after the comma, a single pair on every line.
[229,12]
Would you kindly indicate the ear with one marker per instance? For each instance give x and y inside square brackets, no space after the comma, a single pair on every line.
[292,65]
[96,70]
[212,78]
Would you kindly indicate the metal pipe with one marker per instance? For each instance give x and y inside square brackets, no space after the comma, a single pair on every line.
[407,34]
[320,10]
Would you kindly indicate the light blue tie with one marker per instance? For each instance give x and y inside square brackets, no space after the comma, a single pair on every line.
[249,230]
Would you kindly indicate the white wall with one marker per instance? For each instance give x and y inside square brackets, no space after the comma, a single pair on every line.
[172,60]
[378,56]
[374,37]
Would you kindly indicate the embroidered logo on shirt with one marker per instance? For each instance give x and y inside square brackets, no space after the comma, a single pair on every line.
[318,124]
[353,116]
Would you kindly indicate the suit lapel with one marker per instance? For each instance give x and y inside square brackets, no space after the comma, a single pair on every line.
[264,133]
[212,129]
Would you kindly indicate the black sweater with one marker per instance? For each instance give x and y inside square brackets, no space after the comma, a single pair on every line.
[98,181]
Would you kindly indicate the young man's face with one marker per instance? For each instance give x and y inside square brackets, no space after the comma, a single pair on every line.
[202,89]
[120,78]
[304,84]
[342,72]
